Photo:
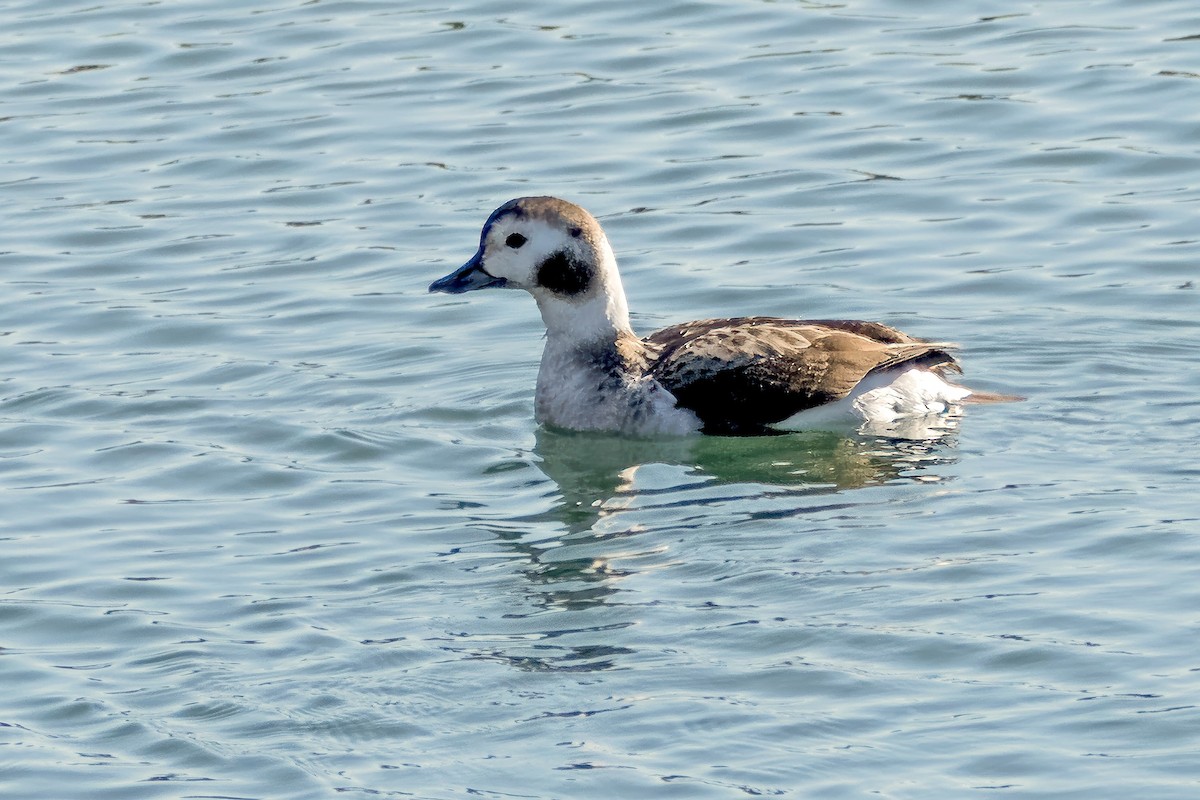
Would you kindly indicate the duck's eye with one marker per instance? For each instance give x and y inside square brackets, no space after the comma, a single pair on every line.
[515,240]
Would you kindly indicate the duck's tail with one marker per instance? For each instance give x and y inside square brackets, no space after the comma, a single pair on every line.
[981,398]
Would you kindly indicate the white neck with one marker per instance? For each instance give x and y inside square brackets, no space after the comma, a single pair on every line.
[598,318]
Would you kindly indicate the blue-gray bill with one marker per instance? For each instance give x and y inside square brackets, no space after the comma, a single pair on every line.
[469,276]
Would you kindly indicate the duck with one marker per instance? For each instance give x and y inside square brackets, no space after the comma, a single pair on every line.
[734,376]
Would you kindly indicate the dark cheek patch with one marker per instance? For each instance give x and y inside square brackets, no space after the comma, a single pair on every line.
[564,274]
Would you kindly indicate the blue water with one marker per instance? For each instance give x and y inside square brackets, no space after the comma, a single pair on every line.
[277,523]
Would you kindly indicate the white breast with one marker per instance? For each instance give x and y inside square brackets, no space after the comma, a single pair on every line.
[574,395]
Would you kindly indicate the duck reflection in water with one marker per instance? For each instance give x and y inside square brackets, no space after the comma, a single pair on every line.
[609,486]
[613,494]
[597,474]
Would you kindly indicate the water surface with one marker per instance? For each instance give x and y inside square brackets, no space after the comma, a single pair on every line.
[278,523]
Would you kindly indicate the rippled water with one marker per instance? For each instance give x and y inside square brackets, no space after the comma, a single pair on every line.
[278,523]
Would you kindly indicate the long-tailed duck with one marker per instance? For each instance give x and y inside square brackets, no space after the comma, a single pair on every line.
[746,375]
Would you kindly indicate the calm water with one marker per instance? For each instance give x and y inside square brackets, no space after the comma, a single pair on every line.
[276,523]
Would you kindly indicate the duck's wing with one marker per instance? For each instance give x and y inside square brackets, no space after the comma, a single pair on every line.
[741,375]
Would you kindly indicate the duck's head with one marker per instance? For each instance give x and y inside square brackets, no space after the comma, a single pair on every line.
[557,252]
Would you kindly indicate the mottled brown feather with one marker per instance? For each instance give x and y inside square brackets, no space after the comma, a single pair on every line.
[741,375]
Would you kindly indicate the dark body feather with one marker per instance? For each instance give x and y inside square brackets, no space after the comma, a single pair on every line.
[741,375]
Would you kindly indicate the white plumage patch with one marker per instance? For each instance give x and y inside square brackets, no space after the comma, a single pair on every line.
[913,403]
[912,393]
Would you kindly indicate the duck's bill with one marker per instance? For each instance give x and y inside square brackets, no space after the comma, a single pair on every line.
[469,276]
